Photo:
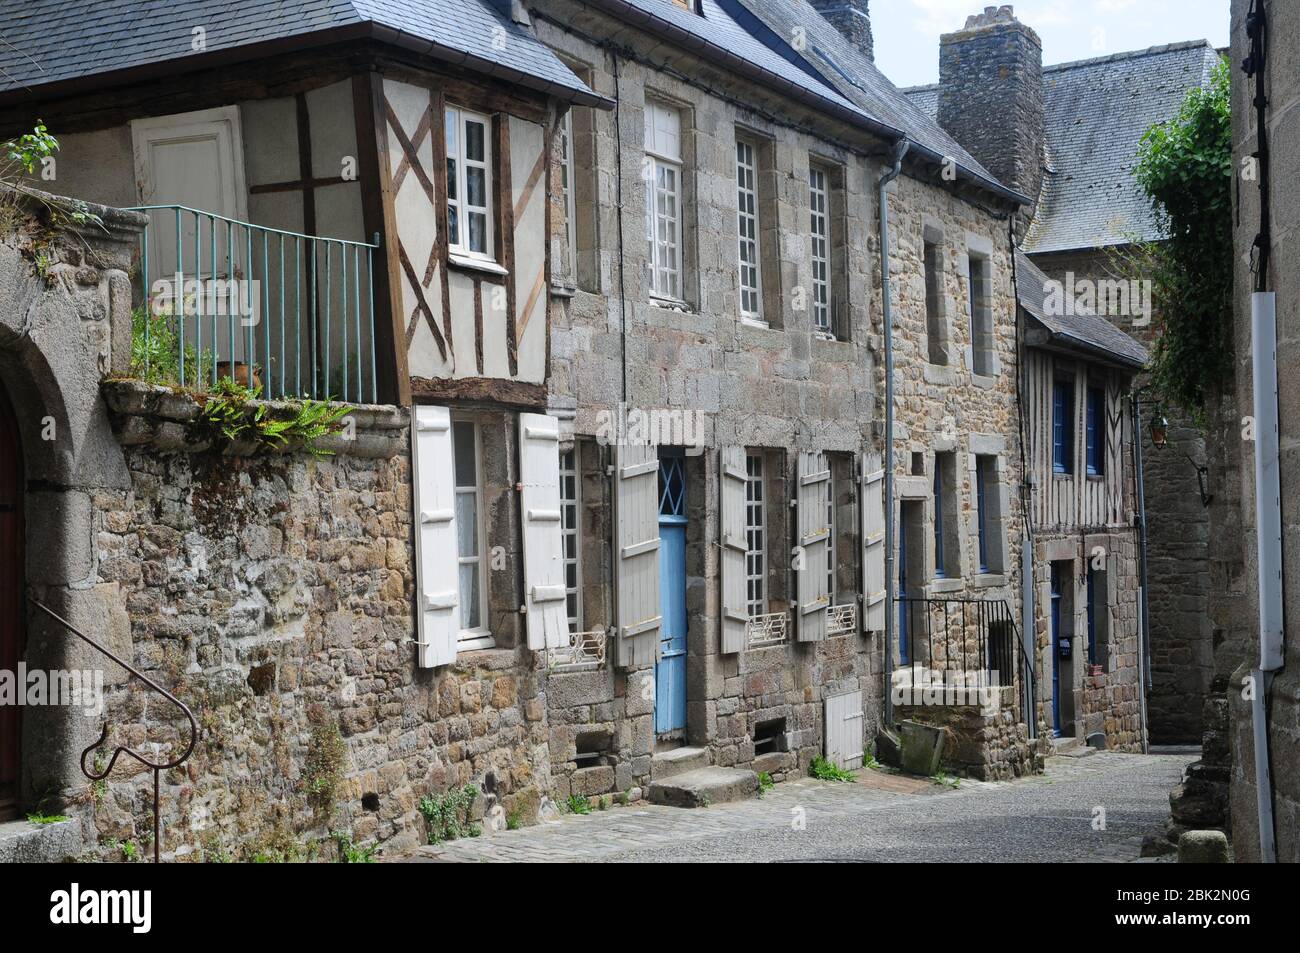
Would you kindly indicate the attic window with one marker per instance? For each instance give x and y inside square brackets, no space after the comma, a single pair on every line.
[690,6]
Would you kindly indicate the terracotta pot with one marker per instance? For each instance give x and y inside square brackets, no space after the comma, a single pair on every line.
[240,374]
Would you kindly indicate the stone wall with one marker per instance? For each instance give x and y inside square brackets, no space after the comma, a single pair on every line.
[987,743]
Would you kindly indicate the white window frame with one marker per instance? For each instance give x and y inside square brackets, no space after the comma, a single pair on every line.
[755,531]
[750,265]
[663,159]
[480,636]
[567,169]
[459,119]
[570,517]
[819,203]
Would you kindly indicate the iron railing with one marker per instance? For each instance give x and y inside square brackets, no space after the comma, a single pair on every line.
[584,649]
[157,768]
[842,620]
[290,312]
[767,629]
[974,642]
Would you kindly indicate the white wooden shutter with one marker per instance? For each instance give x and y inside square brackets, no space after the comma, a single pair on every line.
[636,543]
[544,587]
[813,496]
[732,478]
[872,505]
[845,730]
[437,582]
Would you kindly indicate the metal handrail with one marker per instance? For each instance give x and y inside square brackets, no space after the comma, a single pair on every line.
[121,750]
[277,257]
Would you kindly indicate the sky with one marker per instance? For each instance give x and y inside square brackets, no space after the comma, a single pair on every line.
[907,32]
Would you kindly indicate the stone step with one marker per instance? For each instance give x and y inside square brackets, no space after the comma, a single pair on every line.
[28,843]
[1071,748]
[704,786]
[675,761]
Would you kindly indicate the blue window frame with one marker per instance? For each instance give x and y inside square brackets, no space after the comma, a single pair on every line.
[1063,426]
[938,517]
[1096,433]
[982,514]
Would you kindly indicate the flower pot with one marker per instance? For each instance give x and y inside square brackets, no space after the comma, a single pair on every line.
[240,373]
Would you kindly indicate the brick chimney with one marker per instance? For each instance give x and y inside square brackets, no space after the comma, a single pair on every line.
[991,96]
[850,17]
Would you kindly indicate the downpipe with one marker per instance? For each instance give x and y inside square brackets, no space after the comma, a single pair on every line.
[891,608]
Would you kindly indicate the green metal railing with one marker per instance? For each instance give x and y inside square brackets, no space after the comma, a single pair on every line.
[290,312]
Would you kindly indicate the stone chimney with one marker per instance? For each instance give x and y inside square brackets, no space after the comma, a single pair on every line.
[850,17]
[991,96]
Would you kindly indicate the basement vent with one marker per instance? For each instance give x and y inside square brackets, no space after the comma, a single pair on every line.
[770,736]
[370,802]
[593,748]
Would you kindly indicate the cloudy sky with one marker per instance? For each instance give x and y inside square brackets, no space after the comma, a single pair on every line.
[907,31]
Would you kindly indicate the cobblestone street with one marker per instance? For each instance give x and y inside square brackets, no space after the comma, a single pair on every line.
[881,818]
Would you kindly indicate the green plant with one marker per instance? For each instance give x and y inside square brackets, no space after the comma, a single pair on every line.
[765,783]
[577,804]
[824,770]
[514,821]
[323,772]
[156,349]
[625,798]
[350,852]
[37,817]
[448,815]
[228,415]
[1185,167]
[947,780]
[129,850]
[27,151]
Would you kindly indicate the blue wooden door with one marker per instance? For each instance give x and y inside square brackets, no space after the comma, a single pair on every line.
[1056,649]
[670,671]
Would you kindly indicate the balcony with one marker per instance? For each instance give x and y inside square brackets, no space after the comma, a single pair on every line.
[286,314]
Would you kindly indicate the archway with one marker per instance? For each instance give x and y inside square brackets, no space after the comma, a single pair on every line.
[12,587]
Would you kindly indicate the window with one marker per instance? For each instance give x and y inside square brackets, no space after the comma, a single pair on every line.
[830,538]
[569,510]
[989,518]
[979,289]
[755,541]
[947,514]
[469,184]
[466,454]
[663,170]
[1063,426]
[982,514]
[568,169]
[1098,615]
[939,569]
[819,205]
[751,282]
[1095,433]
[934,330]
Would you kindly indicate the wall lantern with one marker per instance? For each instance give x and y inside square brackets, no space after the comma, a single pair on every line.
[1160,437]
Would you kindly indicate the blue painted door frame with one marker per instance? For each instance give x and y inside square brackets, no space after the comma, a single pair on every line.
[1056,649]
[670,670]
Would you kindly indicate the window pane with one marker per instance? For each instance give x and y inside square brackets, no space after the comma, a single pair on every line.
[474,141]
[476,187]
[466,523]
[462,435]
[470,617]
[453,136]
[478,232]
[453,225]
[452,184]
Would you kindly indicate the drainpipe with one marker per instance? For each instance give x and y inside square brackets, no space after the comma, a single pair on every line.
[900,150]
[1144,650]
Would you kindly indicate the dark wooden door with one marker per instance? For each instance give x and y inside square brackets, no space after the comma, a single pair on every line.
[11,600]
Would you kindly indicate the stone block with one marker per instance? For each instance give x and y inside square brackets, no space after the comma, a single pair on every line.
[922,748]
[1203,847]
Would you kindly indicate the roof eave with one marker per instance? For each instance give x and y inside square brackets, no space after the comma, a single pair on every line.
[1060,341]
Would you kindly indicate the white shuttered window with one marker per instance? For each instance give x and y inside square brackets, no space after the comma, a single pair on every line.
[755,537]
[472,566]
[819,202]
[663,174]
[570,507]
[436,566]
[751,282]
[469,184]
[543,512]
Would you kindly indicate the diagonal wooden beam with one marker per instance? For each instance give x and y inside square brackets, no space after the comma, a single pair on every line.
[421,302]
[410,152]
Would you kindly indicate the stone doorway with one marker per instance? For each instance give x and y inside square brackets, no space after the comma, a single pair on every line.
[12,586]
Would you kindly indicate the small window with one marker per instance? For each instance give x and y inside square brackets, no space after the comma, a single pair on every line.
[755,537]
[934,330]
[663,170]
[751,277]
[466,457]
[979,292]
[1098,616]
[570,508]
[947,549]
[939,570]
[819,202]
[982,515]
[988,515]
[1063,426]
[1095,443]
[469,184]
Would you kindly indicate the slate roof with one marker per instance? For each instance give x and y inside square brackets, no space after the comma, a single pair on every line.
[47,42]
[1082,331]
[1097,111]
[840,63]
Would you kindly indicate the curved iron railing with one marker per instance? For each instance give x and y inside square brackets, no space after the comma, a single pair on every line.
[157,769]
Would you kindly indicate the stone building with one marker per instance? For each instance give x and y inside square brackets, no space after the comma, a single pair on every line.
[1068,135]
[600,287]
[1240,658]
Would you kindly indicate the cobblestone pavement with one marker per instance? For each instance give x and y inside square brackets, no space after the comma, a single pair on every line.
[882,818]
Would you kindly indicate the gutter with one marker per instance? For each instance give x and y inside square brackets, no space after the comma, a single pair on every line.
[891,594]
[302,42]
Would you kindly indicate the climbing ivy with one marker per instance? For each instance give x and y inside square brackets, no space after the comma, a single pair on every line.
[1185,167]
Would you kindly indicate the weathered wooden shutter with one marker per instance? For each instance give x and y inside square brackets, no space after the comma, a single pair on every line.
[844,730]
[813,497]
[636,538]
[872,504]
[735,603]
[437,582]
[544,589]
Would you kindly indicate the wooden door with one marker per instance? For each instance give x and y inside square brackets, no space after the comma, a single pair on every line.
[11,601]
[670,670]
